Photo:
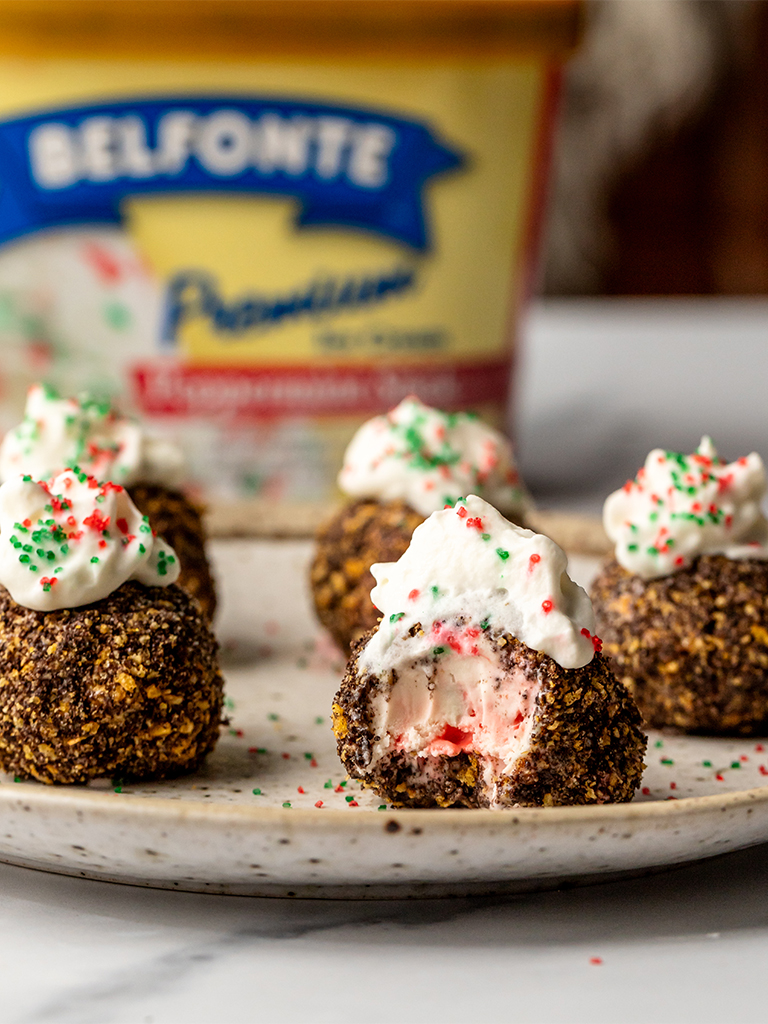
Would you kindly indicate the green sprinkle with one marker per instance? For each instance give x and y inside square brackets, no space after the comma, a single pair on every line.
[706,764]
[735,764]
[328,784]
[631,547]
[24,558]
[438,650]
[309,756]
[27,547]
[484,624]
[381,807]
[659,743]
[95,558]
[667,760]
[17,778]
[651,551]
[319,720]
[286,803]
[273,717]
[503,555]
[33,568]
[396,616]
[350,798]
[434,591]
[485,536]
[118,789]
[257,792]
[345,781]
[653,516]
[142,549]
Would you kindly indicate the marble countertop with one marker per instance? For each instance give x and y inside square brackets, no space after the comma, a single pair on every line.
[687,945]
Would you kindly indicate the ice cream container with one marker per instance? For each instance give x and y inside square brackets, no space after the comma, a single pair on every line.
[257,224]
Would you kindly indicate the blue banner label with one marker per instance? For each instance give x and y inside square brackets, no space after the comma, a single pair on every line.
[352,167]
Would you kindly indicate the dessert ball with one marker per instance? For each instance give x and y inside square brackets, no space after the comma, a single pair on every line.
[59,433]
[483,685]
[127,687]
[683,609]
[106,666]
[361,533]
[692,646]
[398,469]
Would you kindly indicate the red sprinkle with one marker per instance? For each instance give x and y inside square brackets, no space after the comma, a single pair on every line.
[533,561]
[122,525]
[300,789]
[319,803]
[413,595]
[645,791]
[353,803]
[719,777]
[313,763]
[673,785]
[27,523]
[597,643]
[759,748]
[547,606]
[475,523]
[96,521]
[461,512]
[286,757]
[596,960]
[339,789]
[763,770]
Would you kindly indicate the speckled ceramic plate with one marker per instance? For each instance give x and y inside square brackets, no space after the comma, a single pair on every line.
[272,813]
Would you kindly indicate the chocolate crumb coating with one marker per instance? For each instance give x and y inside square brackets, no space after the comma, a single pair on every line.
[348,544]
[692,646]
[586,744]
[127,687]
[360,534]
[179,522]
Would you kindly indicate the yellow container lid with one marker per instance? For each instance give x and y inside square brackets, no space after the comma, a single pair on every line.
[421,29]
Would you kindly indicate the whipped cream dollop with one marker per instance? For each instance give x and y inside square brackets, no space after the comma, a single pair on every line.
[681,506]
[72,540]
[468,570]
[58,433]
[426,458]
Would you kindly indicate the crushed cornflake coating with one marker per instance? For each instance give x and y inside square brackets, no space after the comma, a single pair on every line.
[57,433]
[73,540]
[427,457]
[679,507]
